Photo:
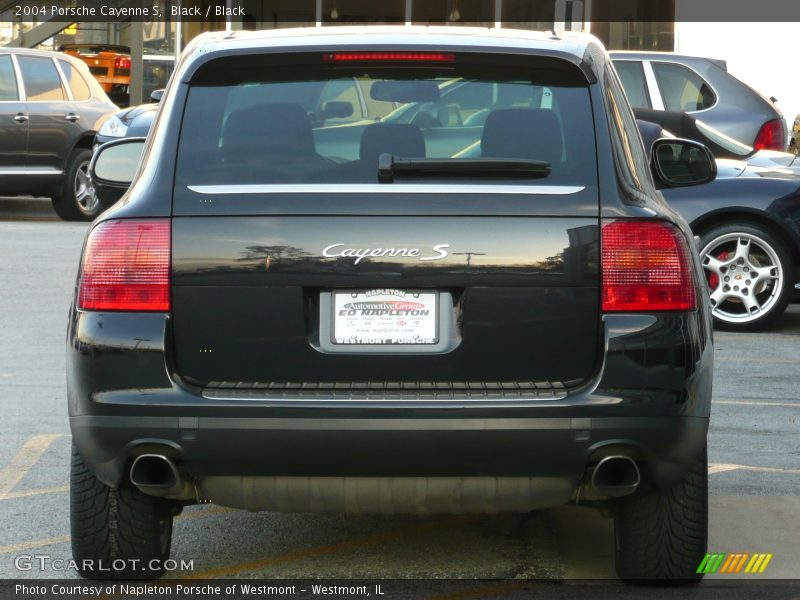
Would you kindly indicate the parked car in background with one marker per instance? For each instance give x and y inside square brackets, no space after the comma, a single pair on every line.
[109,64]
[748,222]
[701,86]
[772,163]
[50,111]
[133,121]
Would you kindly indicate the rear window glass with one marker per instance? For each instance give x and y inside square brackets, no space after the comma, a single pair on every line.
[80,89]
[682,88]
[631,76]
[320,125]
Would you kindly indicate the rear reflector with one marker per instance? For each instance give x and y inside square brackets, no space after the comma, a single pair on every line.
[126,267]
[389,57]
[646,267]
[771,136]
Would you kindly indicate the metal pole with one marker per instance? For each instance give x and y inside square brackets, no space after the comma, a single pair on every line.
[137,63]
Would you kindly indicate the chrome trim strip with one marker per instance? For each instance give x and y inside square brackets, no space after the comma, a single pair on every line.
[20,84]
[652,86]
[689,68]
[64,82]
[30,172]
[382,188]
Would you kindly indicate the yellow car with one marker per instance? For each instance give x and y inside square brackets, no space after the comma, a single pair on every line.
[109,64]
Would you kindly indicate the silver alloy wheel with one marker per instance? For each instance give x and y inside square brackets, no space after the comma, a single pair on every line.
[85,195]
[744,275]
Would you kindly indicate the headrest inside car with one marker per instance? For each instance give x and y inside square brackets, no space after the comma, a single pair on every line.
[522,133]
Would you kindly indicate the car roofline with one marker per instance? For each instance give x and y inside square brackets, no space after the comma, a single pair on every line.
[580,49]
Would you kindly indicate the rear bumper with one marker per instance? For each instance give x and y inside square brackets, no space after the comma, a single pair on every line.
[390,447]
[650,399]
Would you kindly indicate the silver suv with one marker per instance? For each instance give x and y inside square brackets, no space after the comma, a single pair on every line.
[50,110]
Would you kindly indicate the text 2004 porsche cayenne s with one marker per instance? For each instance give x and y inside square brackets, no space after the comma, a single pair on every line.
[295,309]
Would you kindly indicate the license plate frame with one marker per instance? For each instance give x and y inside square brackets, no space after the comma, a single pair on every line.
[385,318]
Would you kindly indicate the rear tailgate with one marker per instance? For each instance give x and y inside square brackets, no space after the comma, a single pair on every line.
[295,271]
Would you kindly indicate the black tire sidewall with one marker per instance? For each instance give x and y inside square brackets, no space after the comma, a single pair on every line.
[786,265]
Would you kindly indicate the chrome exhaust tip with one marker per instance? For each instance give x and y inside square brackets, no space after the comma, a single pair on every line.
[157,475]
[616,476]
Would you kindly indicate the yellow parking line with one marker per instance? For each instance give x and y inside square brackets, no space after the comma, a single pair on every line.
[22,546]
[756,403]
[721,468]
[195,514]
[36,492]
[29,455]
[377,538]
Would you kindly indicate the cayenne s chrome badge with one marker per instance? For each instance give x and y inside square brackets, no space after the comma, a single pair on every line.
[359,254]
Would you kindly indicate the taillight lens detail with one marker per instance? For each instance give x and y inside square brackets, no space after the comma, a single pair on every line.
[122,62]
[771,136]
[646,267]
[125,267]
[389,57]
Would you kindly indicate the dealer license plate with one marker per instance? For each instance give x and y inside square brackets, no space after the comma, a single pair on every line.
[384,317]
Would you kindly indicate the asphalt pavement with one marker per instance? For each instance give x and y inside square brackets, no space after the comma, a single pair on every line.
[753,451]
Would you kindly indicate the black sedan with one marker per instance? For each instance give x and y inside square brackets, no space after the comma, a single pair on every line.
[133,121]
[748,222]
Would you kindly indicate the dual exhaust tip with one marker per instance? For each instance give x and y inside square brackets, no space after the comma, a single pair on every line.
[616,476]
[156,475]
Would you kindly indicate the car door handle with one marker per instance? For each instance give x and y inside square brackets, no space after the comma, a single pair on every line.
[21,117]
[72,117]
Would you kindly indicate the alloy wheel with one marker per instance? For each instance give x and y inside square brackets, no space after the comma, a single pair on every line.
[85,195]
[744,277]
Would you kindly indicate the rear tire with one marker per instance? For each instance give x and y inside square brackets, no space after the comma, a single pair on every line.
[740,303]
[662,534]
[78,200]
[121,524]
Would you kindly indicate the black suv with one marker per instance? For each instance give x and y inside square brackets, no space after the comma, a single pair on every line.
[488,307]
[50,110]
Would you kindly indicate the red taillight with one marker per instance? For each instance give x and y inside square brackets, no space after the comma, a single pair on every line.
[646,267]
[122,62]
[126,267]
[389,57]
[771,136]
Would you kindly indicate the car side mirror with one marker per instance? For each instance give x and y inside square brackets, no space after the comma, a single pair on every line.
[113,167]
[680,163]
[156,95]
